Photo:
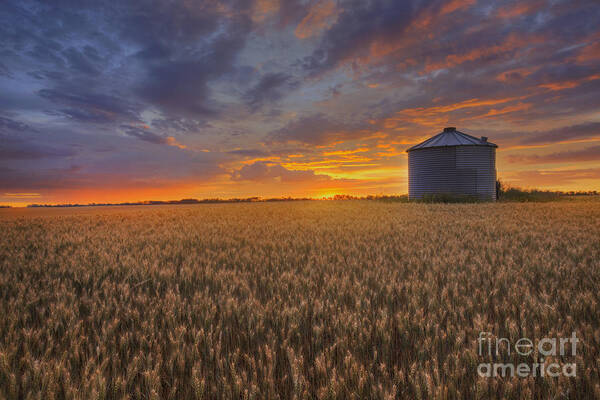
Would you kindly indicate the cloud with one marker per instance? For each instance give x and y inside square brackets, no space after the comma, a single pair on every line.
[83,61]
[318,129]
[516,75]
[180,87]
[455,5]
[262,171]
[90,107]
[14,148]
[487,52]
[34,180]
[271,87]
[151,137]
[248,153]
[10,125]
[591,153]
[519,9]
[360,24]
[4,70]
[185,47]
[436,116]
[553,178]
[16,143]
[589,53]
[568,84]
[291,11]
[186,125]
[588,130]
[21,195]
[163,54]
[320,16]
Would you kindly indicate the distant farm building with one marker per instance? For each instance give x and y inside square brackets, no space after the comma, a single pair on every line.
[452,163]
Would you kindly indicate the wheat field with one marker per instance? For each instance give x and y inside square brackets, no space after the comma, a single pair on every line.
[314,299]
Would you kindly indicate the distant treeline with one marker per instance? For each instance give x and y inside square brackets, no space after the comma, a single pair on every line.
[504,193]
[182,201]
[508,193]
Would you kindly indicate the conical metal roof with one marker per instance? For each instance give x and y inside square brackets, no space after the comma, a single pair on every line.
[451,137]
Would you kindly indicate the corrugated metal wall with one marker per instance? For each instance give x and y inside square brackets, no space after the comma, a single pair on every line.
[458,170]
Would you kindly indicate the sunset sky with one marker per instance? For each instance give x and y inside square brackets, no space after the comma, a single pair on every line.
[106,101]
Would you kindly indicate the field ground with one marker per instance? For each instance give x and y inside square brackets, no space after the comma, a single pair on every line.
[320,299]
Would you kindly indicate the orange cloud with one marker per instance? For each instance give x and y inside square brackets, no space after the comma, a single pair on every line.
[519,9]
[344,152]
[263,9]
[553,86]
[589,53]
[454,5]
[418,29]
[456,106]
[261,159]
[390,153]
[171,141]
[559,85]
[438,115]
[21,195]
[384,46]
[321,15]
[504,110]
[511,43]
[516,74]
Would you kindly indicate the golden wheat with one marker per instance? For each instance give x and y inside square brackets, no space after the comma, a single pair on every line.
[345,300]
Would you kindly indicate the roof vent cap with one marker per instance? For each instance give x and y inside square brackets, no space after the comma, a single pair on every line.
[450,129]
[484,139]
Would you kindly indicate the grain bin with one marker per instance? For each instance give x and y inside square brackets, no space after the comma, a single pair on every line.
[452,163]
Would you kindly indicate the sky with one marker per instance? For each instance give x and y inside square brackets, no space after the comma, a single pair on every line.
[104,101]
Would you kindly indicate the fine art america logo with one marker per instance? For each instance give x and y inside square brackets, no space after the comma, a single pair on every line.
[546,347]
